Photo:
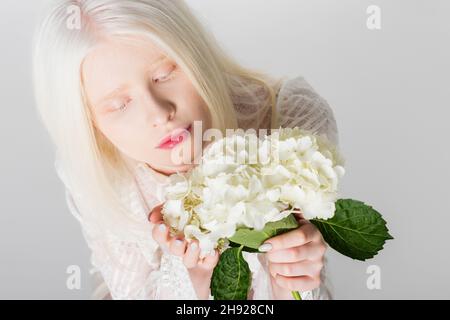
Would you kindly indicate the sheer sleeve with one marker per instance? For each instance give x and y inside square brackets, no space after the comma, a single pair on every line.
[131,270]
[299,105]
[124,273]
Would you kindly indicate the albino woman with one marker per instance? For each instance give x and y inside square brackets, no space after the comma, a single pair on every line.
[108,91]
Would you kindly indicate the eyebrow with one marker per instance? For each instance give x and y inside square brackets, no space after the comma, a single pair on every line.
[155,64]
[113,93]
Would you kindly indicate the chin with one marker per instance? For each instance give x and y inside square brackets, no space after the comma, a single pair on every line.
[174,169]
[183,168]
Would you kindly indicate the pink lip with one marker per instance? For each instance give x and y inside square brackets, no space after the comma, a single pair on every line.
[174,138]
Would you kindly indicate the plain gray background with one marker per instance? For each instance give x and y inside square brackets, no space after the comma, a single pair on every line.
[388,89]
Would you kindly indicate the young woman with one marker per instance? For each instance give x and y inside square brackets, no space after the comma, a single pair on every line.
[111,91]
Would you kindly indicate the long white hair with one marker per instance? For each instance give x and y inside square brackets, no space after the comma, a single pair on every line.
[94,167]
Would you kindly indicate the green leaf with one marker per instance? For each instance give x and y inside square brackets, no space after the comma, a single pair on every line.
[251,239]
[356,230]
[244,248]
[231,277]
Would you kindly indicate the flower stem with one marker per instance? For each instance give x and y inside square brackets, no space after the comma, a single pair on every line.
[296,295]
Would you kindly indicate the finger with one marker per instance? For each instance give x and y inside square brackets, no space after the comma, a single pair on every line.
[296,269]
[299,216]
[303,283]
[155,215]
[177,246]
[298,237]
[160,233]
[210,261]
[311,251]
[190,258]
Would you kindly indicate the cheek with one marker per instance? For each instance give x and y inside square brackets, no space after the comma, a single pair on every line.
[205,116]
[125,138]
[199,109]
[136,143]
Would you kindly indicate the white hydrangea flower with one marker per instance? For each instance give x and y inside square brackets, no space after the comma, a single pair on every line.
[228,190]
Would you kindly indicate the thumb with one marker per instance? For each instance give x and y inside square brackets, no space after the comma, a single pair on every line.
[300,217]
[155,215]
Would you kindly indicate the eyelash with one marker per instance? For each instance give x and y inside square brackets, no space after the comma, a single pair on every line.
[168,77]
[123,106]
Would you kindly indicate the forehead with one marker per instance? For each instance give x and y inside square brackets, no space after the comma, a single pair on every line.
[114,61]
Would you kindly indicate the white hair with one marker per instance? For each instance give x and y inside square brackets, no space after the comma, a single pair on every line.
[94,167]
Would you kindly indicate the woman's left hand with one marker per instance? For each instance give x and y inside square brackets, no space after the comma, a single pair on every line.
[295,259]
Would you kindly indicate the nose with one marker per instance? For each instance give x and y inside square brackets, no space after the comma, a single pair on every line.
[162,115]
[160,111]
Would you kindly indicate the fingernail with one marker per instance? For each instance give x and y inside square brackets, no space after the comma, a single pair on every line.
[265,247]
[194,246]
[162,227]
[178,242]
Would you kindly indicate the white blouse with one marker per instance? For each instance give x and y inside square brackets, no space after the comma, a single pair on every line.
[152,273]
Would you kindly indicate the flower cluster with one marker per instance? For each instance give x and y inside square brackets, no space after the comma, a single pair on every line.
[246,181]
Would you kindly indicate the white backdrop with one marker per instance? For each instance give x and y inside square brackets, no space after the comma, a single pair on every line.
[388,89]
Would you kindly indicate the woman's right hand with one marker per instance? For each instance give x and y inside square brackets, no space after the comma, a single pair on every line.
[200,269]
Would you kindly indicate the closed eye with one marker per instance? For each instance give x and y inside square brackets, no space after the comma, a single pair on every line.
[122,106]
[165,77]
